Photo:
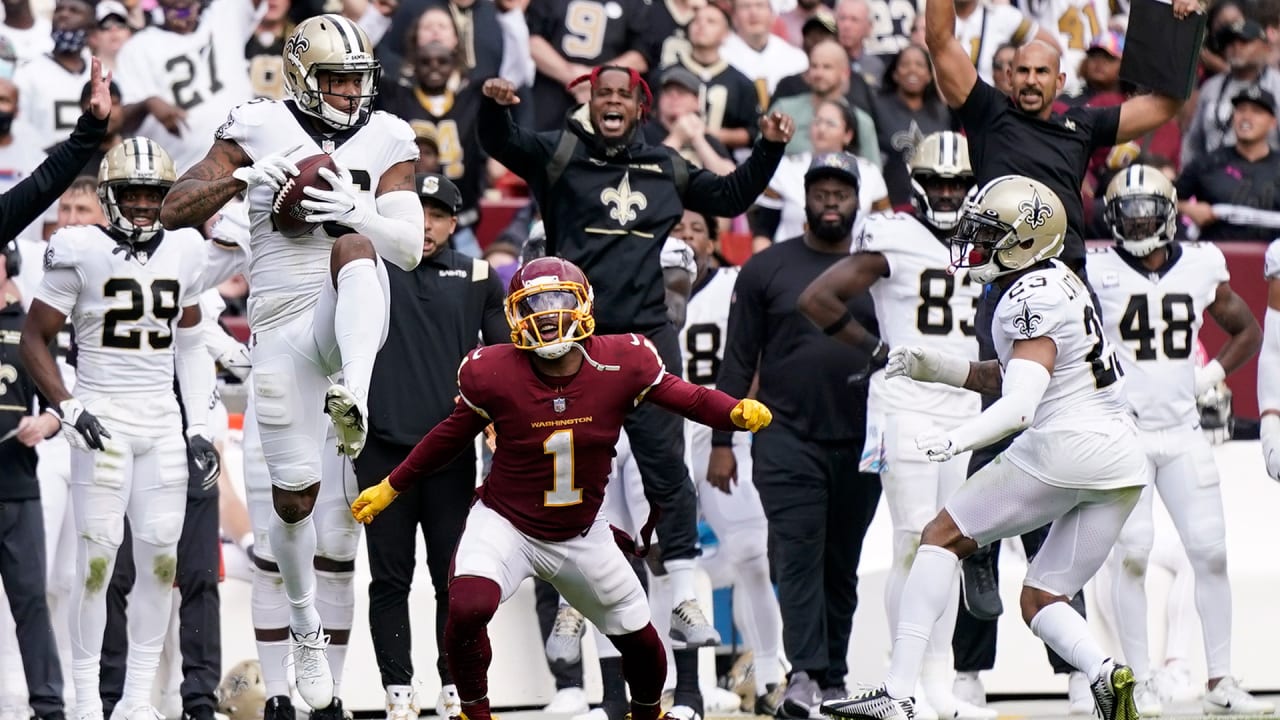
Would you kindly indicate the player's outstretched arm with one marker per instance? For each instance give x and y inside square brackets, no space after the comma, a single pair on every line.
[926,365]
[954,68]
[733,194]
[519,150]
[712,408]
[824,302]
[206,187]
[1025,380]
[1141,114]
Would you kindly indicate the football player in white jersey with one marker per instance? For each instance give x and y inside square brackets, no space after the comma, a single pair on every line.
[904,262]
[1269,366]
[1076,463]
[1154,294]
[125,287]
[727,496]
[185,75]
[318,302]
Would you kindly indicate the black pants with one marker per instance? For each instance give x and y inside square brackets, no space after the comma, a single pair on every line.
[657,441]
[547,603]
[22,568]
[819,508]
[199,613]
[974,641]
[439,505]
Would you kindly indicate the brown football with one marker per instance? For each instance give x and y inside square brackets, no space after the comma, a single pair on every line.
[287,212]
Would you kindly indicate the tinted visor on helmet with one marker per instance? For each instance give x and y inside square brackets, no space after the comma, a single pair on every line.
[1137,217]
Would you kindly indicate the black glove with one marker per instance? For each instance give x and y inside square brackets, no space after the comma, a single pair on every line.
[205,463]
[88,429]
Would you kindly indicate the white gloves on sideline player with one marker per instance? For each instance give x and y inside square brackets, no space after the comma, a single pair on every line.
[272,171]
[1270,432]
[926,365]
[1207,378]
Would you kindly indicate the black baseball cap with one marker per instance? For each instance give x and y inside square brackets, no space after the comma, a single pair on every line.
[1243,30]
[438,189]
[1258,96]
[822,20]
[839,165]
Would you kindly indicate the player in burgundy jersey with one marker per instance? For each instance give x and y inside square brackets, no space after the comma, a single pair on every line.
[558,414]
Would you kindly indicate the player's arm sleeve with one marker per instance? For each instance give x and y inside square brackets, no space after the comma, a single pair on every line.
[699,404]
[446,441]
[195,374]
[521,151]
[1269,357]
[26,201]
[731,195]
[1025,382]
[745,337]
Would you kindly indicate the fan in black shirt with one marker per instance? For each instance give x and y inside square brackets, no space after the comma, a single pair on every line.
[1023,136]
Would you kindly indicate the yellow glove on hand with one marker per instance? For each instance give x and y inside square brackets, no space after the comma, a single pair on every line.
[373,501]
[751,415]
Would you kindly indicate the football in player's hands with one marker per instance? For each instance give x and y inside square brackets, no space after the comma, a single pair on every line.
[287,212]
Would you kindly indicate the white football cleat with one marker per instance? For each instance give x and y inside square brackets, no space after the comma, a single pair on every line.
[564,644]
[311,668]
[448,704]
[1147,699]
[1174,684]
[350,419]
[871,705]
[968,688]
[1228,698]
[568,701]
[400,703]
[1079,695]
[690,626]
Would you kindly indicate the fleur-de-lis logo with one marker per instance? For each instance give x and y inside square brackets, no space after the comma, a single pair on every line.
[1036,210]
[8,374]
[296,45]
[1027,322]
[626,203]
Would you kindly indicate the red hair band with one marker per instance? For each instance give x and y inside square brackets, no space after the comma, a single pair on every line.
[634,81]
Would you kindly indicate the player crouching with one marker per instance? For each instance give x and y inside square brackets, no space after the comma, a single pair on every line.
[558,414]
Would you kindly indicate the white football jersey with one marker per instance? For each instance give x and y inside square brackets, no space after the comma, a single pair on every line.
[32,42]
[1271,263]
[124,302]
[989,27]
[49,97]
[1087,381]
[202,72]
[1077,22]
[706,327]
[920,303]
[767,67]
[286,273]
[1153,320]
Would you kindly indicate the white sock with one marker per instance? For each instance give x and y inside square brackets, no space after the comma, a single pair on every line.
[88,616]
[1067,632]
[294,547]
[924,599]
[751,583]
[680,572]
[1129,597]
[270,611]
[150,607]
[360,316]
[336,603]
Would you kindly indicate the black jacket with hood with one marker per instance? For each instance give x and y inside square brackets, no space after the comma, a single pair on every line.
[609,209]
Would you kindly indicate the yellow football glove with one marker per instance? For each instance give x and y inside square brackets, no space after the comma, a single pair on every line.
[373,501]
[751,415]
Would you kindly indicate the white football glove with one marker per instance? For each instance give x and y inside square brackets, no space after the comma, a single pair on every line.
[926,365]
[937,445]
[344,204]
[80,427]
[237,361]
[1271,445]
[272,171]
[1207,378]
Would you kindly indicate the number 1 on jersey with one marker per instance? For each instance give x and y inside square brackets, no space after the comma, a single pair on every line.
[560,447]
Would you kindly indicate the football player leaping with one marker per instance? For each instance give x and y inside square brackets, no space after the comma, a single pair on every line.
[904,261]
[557,399]
[124,287]
[318,303]
[1076,463]
[1154,294]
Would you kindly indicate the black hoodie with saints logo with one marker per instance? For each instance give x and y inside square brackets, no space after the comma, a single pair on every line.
[608,209]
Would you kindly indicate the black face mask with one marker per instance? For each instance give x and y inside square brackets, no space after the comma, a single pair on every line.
[6,123]
[830,232]
[69,41]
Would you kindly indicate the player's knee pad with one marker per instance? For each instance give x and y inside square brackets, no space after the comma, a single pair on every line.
[160,527]
[337,535]
[273,387]
[108,468]
[472,602]
[102,525]
[269,606]
[1209,559]
[1133,559]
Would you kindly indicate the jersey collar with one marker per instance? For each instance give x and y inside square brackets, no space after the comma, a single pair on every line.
[1174,252]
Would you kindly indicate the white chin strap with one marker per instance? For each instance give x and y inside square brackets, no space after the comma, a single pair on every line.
[553,351]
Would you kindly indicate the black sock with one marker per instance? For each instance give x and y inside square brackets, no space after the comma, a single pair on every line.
[687,691]
[614,696]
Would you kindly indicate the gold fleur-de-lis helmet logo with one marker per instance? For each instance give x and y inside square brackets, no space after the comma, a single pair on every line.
[1036,211]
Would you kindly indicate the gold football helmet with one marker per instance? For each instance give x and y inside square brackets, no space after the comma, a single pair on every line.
[941,176]
[330,43]
[1141,209]
[242,694]
[135,161]
[1011,223]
